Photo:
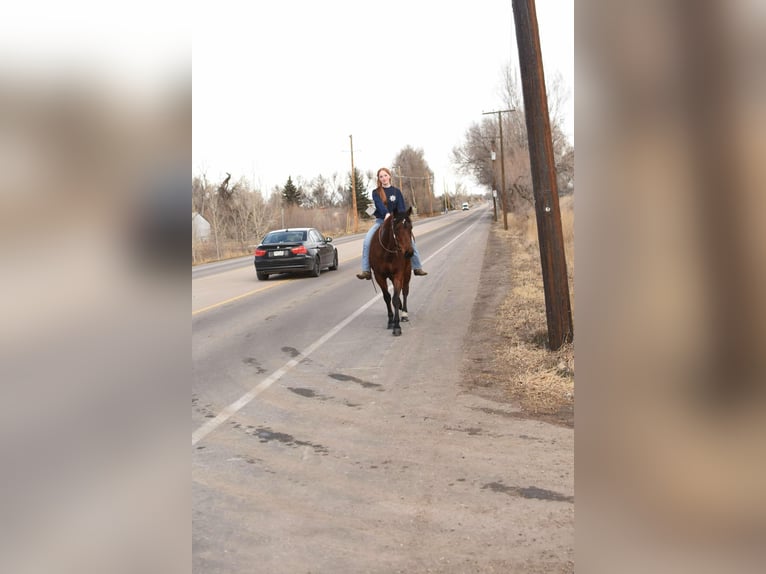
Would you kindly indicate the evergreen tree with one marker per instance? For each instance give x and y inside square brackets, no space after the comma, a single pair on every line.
[362,201]
[291,195]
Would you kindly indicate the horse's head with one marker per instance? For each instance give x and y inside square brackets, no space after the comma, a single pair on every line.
[402,226]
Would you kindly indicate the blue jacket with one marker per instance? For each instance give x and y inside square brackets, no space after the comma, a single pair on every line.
[381,209]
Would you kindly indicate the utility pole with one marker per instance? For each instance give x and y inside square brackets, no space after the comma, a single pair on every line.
[412,194]
[494,185]
[555,281]
[493,157]
[430,196]
[502,164]
[353,186]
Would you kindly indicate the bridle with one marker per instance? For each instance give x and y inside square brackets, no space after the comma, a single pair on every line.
[396,239]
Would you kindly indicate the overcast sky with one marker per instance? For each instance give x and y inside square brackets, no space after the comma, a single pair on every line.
[278,87]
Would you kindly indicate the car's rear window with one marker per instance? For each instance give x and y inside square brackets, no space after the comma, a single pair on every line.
[285,237]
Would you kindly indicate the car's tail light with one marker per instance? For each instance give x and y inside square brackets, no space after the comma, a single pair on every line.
[260,252]
[300,250]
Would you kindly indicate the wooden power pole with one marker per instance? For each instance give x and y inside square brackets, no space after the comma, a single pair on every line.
[430,195]
[502,165]
[555,281]
[353,186]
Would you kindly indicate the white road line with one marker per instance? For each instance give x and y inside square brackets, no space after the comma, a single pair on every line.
[232,409]
[241,402]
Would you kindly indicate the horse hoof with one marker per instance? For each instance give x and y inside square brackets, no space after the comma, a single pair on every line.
[405,319]
[397,331]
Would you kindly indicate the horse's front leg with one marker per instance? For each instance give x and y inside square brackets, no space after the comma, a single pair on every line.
[405,292]
[397,304]
[387,298]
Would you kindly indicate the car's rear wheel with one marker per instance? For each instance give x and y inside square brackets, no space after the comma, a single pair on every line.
[334,265]
[262,276]
[317,267]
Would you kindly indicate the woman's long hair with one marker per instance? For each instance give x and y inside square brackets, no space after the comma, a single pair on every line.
[381,193]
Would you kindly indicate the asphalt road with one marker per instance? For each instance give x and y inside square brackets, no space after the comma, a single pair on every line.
[321,443]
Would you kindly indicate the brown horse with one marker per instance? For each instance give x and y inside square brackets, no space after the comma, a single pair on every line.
[390,254]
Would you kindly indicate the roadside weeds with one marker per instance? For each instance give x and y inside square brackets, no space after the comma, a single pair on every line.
[507,356]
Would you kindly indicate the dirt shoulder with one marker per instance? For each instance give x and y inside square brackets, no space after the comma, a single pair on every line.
[505,356]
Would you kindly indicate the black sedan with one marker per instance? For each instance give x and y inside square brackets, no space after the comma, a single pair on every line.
[295,250]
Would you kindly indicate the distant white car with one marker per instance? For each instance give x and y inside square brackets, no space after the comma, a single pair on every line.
[465,206]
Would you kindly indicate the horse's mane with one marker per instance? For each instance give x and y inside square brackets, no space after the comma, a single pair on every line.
[387,226]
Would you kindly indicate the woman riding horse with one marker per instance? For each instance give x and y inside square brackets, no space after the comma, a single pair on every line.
[386,198]
[391,253]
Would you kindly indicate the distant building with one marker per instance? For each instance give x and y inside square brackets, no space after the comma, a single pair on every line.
[200,227]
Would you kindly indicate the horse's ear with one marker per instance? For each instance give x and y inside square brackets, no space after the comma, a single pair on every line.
[409,211]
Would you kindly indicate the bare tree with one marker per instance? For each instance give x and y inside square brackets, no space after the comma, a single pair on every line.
[316,196]
[482,142]
[413,175]
[199,190]
[474,156]
[336,185]
[240,213]
[565,170]
[563,151]
[214,211]
[223,187]
[262,215]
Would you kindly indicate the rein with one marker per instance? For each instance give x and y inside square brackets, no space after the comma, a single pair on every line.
[396,241]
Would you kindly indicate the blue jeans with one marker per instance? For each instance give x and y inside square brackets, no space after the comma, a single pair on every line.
[366,248]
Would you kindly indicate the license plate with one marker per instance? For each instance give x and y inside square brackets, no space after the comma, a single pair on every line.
[277,253]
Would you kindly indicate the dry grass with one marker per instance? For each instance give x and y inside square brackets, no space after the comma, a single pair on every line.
[206,252]
[527,225]
[540,380]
